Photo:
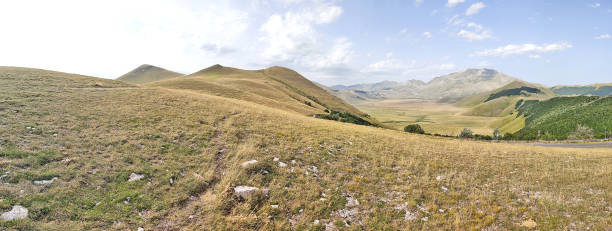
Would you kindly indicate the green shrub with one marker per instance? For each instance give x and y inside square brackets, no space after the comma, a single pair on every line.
[497,135]
[414,128]
[466,133]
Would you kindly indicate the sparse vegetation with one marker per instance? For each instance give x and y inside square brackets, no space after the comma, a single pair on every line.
[345,117]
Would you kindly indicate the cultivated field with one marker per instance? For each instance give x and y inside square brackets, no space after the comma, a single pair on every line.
[89,135]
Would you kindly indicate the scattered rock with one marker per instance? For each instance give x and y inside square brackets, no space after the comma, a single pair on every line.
[529,224]
[330,226]
[135,177]
[18,212]
[44,182]
[140,229]
[282,165]
[274,206]
[247,163]
[276,159]
[316,222]
[244,191]
[439,177]
[197,175]
[444,188]
[351,201]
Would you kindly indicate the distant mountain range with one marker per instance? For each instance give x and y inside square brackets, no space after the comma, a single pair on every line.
[451,87]
[456,86]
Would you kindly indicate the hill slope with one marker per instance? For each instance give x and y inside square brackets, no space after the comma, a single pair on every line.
[505,100]
[146,73]
[558,117]
[596,90]
[276,87]
[183,151]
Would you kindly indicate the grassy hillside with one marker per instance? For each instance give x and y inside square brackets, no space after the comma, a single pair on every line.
[596,90]
[147,73]
[276,87]
[189,147]
[558,117]
[505,100]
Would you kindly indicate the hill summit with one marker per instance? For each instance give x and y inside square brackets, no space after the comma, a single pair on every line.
[148,73]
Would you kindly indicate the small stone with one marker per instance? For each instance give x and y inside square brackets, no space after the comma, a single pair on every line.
[282,165]
[247,163]
[274,206]
[197,175]
[529,224]
[44,182]
[171,181]
[439,177]
[135,177]
[441,210]
[140,229]
[18,212]
[191,216]
[351,202]
[444,188]
[316,222]
[244,191]
[293,161]
[276,159]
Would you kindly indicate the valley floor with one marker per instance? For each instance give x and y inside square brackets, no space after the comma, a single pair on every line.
[434,117]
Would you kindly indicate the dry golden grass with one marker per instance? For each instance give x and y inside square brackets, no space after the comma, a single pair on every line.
[401,181]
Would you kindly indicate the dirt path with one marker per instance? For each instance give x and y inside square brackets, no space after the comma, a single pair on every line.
[579,145]
[175,223]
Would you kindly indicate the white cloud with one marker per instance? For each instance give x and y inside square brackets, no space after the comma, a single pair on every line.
[392,68]
[292,35]
[453,3]
[535,56]
[595,5]
[418,2]
[603,36]
[427,34]
[339,56]
[474,8]
[524,49]
[471,35]
[474,26]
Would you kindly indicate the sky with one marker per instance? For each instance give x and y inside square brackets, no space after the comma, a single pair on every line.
[331,42]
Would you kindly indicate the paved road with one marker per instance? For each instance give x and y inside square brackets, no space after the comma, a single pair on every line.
[579,145]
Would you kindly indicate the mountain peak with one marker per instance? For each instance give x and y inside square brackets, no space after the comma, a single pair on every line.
[148,73]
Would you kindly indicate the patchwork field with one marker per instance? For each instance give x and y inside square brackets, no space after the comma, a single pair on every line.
[434,117]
